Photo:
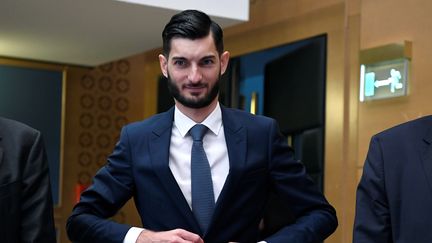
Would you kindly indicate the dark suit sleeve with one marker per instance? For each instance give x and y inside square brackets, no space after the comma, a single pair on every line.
[37,223]
[315,218]
[372,220]
[112,187]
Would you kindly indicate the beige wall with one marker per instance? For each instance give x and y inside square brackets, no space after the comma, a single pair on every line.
[99,102]
[392,21]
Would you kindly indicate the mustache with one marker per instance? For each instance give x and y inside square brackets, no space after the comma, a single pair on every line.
[195,85]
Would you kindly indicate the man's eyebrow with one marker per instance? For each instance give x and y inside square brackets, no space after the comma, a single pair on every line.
[208,57]
[179,58]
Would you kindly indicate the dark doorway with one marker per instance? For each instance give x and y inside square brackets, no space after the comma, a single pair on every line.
[294,94]
[288,83]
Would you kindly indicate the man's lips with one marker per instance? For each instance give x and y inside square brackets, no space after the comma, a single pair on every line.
[195,88]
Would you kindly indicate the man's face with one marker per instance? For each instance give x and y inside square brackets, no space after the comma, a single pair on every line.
[193,69]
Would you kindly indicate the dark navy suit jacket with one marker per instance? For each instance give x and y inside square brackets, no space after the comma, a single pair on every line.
[394,196]
[26,207]
[260,162]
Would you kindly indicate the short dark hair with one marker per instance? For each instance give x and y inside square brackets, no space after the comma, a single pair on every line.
[191,24]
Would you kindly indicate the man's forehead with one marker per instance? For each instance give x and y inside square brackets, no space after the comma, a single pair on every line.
[184,47]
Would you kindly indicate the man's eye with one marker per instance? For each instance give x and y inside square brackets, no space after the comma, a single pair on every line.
[207,62]
[179,63]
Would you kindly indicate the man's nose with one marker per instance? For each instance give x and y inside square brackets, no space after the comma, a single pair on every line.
[195,74]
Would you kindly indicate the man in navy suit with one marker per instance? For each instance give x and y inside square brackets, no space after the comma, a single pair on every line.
[26,206]
[394,196]
[247,156]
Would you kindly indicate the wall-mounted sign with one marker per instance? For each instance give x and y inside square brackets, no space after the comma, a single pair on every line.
[383,79]
[384,71]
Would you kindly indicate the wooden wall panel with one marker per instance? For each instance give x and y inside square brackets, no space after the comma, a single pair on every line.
[379,26]
[100,101]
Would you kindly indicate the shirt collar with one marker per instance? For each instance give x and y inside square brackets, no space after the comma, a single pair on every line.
[184,123]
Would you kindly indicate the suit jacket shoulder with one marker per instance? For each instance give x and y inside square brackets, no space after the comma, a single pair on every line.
[408,131]
[11,131]
[156,123]
[235,118]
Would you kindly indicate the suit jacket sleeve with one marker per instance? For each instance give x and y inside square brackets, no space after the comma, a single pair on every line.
[112,187]
[37,223]
[315,218]
[372,221]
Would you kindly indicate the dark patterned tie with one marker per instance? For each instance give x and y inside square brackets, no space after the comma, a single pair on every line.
[203,202]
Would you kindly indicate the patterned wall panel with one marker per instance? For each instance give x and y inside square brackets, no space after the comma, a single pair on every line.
[104,105]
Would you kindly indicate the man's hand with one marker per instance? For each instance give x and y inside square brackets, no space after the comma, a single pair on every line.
[172,236]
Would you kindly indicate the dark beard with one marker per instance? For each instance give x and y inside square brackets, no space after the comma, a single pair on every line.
[191,103]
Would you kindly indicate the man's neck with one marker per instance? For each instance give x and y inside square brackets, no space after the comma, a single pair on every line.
[197,114]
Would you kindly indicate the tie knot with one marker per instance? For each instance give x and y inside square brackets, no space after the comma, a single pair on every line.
[197,132]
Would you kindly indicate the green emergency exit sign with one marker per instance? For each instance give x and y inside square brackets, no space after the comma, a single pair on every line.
[383,80]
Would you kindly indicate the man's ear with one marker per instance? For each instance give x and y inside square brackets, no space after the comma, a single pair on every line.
[163,65]
[224,59]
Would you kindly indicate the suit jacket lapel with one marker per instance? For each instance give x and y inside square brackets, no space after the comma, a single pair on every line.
[159,151]
[1,155]
[235,136]
[427,157]
[1,151]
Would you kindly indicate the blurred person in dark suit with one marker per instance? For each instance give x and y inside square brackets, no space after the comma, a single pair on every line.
[26,207]
[394,196]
